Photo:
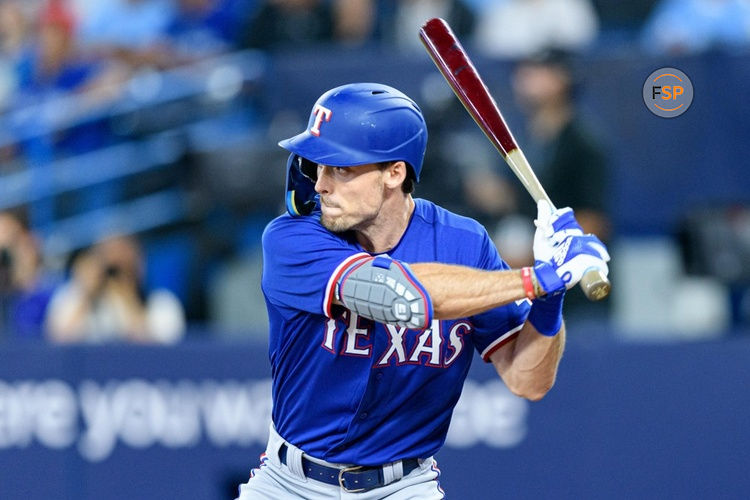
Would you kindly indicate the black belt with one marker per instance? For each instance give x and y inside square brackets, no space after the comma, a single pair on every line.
[353,479]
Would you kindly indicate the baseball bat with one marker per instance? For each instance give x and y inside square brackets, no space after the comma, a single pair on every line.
[458,70]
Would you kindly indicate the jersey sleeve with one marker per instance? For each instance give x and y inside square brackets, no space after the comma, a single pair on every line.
[496,327]
[300,262]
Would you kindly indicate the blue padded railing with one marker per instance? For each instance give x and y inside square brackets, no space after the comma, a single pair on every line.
[209,90]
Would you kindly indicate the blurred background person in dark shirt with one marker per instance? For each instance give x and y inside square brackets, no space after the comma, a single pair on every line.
[568,158]
[564,142]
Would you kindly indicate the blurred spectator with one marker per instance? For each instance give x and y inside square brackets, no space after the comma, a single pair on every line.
[105,300]
[131,31]
[450,170]
[52,67]
[403,19]
[14,37]
[545,86]
[282,22]
[520,28]
[567,157]
[354,21]
[52,63]
[14,28]
[25,289]
[679,26]
[203,27]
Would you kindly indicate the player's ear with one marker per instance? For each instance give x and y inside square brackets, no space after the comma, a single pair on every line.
[395,174]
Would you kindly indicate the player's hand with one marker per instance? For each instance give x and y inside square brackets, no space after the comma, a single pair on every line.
[570,260]
[552,227]
[562,252]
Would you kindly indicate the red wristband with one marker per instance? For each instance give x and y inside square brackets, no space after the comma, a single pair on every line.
[528,285]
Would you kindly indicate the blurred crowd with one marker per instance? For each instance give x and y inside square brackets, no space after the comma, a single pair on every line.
[71,45]
[102,299]
[145,288]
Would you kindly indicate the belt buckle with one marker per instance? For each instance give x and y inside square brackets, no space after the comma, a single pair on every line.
[344,470]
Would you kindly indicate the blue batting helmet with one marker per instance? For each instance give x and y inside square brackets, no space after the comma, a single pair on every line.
[352,125]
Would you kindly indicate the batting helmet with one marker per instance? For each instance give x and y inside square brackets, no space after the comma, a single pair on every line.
[352,125]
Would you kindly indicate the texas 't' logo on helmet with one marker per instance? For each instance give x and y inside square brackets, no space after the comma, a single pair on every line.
[321,113]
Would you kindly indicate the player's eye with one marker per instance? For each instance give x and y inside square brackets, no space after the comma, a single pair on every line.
[339,173]
[343,173]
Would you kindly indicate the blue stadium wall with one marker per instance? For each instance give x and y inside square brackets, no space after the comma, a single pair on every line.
[623,421]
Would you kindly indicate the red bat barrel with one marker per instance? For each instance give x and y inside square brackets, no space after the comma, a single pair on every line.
[458,70]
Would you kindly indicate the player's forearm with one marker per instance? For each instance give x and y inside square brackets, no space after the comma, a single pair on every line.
[529,365]
[460,292]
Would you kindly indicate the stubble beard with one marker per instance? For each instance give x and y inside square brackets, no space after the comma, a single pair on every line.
[335,224]
[345,223]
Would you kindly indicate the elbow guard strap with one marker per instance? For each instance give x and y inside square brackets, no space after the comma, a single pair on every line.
[386,291]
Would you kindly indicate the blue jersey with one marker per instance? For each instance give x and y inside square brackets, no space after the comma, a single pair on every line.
[347,389]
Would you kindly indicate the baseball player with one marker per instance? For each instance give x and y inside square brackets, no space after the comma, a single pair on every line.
[376,301]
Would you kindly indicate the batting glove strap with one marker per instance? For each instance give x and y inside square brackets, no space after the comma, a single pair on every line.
[546,314]
[547,278]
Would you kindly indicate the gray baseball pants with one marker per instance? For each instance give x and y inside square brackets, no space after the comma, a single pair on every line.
[273,480]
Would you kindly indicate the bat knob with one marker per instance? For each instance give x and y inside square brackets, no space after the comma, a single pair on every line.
[595,285]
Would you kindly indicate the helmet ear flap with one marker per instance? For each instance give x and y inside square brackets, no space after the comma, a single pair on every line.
[309,169]
[301,197]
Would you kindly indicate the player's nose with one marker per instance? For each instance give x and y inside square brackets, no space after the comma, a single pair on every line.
[322,183]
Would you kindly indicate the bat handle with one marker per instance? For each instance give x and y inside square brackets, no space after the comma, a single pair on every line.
[595,284]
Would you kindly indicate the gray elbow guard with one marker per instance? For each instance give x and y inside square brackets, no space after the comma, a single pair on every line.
[386,291]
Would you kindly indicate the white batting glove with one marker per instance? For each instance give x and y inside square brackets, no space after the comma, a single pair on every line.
[570,260]
[552,227]
[563,254]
